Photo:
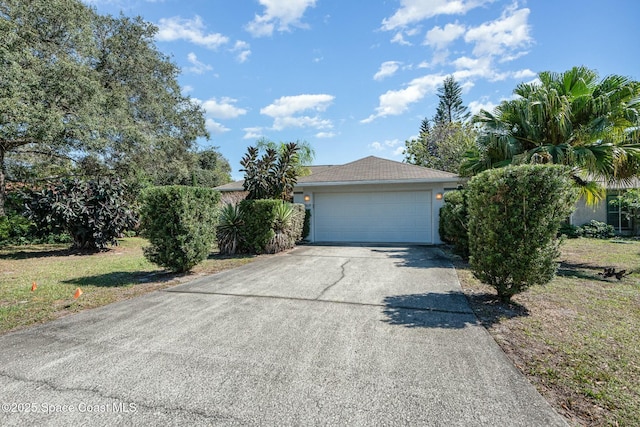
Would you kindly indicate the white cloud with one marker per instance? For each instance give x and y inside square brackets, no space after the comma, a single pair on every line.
[289,105]
[523,74]
[192,30]
[395,146]
[483,104]
[284,13]
[280,123]
[197,67]
[392,142]
[440,38]
[253,133]
[243,50]
[396,102]
[387,69]
[325,134]
[399,38]
[286,111]
[504,35]
[223,108]
[376,146]
[215,127]
[414,11]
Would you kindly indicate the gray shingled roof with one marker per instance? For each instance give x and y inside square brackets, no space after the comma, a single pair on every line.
[368,169]
[372,169]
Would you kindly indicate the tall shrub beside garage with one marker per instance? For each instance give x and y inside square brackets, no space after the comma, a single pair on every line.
[514,216]
[454,222]
[180,224]
[270,226]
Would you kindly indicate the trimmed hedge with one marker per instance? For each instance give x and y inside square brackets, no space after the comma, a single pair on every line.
[454,220]
[180,224]
[263,233]
[514,216]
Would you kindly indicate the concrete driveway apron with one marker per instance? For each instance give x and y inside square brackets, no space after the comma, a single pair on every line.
[322,335]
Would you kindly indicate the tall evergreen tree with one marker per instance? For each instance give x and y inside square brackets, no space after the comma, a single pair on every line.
[450,108]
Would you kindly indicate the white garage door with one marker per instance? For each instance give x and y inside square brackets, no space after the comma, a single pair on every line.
[401,216]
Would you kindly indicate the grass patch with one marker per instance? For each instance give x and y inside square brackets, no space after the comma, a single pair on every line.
[105,277]
[578,338]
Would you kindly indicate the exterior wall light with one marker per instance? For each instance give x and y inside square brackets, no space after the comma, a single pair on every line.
[307,198]
[438,196]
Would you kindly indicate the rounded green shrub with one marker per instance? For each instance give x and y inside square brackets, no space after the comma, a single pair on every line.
[454,222]
[180,223]
[514,216]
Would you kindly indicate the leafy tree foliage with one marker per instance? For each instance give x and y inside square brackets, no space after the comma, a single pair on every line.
[570,118]
[450,106]
[629,204]
[273,175]
[75,85]
[443,144]
[443,147]
[454,221]
[180,223]
[514,216]
[94,213]
[304,156]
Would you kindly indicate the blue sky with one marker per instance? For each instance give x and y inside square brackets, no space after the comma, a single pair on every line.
[355,77]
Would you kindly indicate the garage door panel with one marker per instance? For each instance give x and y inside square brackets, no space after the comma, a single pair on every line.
[403,216]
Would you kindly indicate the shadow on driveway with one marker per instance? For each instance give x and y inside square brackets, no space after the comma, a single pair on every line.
[410,257]
[445,310]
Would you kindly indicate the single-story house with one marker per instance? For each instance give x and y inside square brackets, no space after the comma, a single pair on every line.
[371,200]
[604,212]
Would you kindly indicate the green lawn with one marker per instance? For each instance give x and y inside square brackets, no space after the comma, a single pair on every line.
[578,338]
[104,277]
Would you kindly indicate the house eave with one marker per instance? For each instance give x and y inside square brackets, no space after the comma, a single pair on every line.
[379,182]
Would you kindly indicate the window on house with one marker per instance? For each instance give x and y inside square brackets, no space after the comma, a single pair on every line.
[616,218]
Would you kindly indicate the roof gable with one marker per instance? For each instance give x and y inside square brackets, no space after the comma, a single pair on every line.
[372,169]
[369,169]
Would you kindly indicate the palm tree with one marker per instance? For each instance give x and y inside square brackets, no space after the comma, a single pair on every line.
[567,118]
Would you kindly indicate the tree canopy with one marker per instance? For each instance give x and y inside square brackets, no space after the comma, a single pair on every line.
[570,118]
[443,141]
[443,147]
[85,92]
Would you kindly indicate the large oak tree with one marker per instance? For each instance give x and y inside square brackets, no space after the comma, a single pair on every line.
[77,85]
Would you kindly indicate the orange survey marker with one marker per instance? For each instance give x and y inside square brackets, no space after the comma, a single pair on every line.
[34,286]
[77,294]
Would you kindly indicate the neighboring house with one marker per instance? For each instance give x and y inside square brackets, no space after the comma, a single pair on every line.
[606,213]
[371,200]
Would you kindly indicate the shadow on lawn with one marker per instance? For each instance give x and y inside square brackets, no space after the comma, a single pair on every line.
[490,310]
[22,254]
[581,271]
[448,310]
[122,278]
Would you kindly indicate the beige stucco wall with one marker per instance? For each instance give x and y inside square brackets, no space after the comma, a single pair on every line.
[584,213]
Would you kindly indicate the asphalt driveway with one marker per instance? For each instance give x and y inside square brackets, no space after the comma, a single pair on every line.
[320,335]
